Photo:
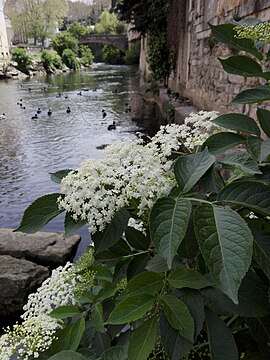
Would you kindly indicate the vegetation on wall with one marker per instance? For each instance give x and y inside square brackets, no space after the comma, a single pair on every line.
[22,58]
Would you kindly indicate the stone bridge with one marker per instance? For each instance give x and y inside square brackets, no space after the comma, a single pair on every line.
[118,41]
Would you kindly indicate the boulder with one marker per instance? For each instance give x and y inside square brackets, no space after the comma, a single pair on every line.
[45,248]
[18,278]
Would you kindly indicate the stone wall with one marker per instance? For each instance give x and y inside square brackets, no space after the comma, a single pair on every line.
[198,75]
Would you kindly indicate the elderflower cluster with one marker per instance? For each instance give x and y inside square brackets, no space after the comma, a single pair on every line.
[129,172]
[259,32]
[189,136]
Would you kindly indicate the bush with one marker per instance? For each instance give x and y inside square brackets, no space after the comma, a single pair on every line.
[77,30]
[50,61]
[86,55]
[22,58]
[132,56]
[111,55]
[70,60]
[63,41]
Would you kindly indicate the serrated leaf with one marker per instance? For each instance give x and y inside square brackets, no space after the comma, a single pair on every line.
[72,226]
[63,312]
[261,251]
[168,224]
[113,231]
[62,340]
[39,213]
[238,122]
[253,195]
[76,333]
[178,315]
[189,169]
[243,162]
[222,344]
[243,66]
[115,353]
[97,317]
[188,278]
[223,141]
[59,175]
[67,355]
[263,116]
[131,308]
[145,283]
[226,245]
[142,340]
[259,149]
[254,95]
[107,291]
[136,239]
[226,34]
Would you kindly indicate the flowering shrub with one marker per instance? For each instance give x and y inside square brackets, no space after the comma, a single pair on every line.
[180,258]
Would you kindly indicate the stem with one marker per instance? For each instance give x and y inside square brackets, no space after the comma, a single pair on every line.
[137,254]
[232,319]
[200,200]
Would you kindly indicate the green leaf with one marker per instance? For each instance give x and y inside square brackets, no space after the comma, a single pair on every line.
[261,251]
[97,317]
[136,239]
[250,96]
[39,213]
[109,290]
[259,149]
[145,283]
[226,34]
[189,169]
[226,245]
[142,340]
[243,66]
[72,226]
[189,246]
[59,175]
[263,116]
[115,353]
[222,344]
[113,231]
[131,308]
[221,142]
[168,224]
[63,312]
[157,264]
[137,265]
[67,355]
[178,315]
[101,342]
[87,353]
[253,195]
[102,272]
[76,333]
[260,331]
[188,278]
[238,122]
[241,161]
[62,340]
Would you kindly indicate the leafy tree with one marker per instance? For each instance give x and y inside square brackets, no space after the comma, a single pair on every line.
[86,55]
[63,41]
[22,58]
[107,23]
[132,55]
[69,58]
[77,30]
[111,55]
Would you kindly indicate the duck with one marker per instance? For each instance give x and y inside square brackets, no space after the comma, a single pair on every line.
[79,93]
[104,114]
[50,112]
[34,117]
[3,116]
[112,126]
[38,111]
[66,96]
[68,110]
[59,95]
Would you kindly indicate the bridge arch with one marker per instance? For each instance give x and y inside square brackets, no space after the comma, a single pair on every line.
[120,42]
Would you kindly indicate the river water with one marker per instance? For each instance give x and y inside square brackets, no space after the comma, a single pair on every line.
[32,148]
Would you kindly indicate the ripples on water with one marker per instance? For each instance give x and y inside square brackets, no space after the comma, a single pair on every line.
[31,149]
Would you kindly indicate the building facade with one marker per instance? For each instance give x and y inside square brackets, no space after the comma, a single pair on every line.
[4,45]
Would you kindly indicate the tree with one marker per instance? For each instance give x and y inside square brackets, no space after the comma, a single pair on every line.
[63,41]
[77,30]
[107,23]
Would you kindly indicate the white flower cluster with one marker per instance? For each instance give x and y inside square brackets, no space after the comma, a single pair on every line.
[129,172]
[36,332]
[189,136]
[137,225]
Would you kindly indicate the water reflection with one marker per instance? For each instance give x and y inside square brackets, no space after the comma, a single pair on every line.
[31,148]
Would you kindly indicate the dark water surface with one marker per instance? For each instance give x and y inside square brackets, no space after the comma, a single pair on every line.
[32,148]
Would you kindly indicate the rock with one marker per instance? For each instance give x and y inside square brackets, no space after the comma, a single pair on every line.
[18,278]
[45,248]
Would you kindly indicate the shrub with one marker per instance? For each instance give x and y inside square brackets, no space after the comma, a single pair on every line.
[70,59]
[63,41]
[86,55]
[50,61]
[23,59]
[77,30]
[112,55]
[132,55]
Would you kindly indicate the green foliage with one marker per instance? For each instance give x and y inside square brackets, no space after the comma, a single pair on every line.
[50,61]
[197,280]
[132,55]
[86,55]
[70,59]
[63,41]
[77,30]
[22,58]
[108,23]
[111,55]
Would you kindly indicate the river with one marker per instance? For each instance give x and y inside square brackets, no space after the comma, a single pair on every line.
[32,148]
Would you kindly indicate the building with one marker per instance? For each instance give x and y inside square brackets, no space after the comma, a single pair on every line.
[4,45]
